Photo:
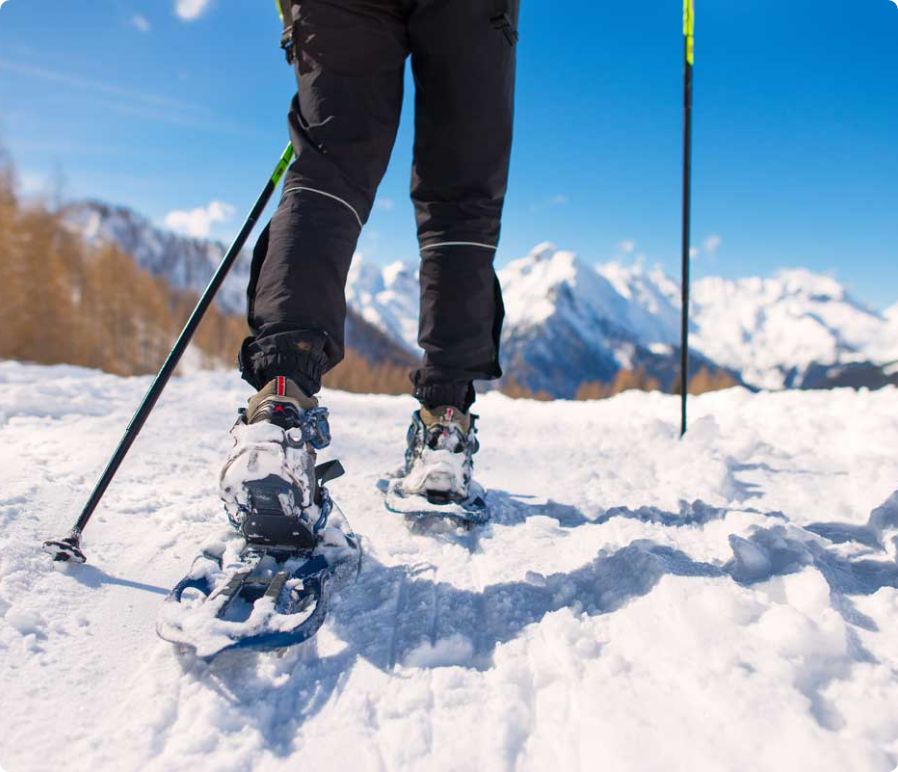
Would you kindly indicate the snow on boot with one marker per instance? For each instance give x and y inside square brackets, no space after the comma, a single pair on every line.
[268,482]
[268,586]
[438,459]
[437,477]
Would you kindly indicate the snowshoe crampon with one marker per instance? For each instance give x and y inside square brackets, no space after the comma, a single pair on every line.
[466,512]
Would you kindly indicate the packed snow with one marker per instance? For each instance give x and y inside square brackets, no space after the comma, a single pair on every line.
[724,602]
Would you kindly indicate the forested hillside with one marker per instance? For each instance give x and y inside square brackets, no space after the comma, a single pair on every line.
[64,299]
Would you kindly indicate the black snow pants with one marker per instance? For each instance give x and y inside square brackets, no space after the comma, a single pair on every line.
[350,60]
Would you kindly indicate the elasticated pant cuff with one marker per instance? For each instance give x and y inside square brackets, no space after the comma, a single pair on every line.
[434,395]
[287,354]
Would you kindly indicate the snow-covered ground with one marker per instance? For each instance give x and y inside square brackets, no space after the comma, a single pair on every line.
[727,602]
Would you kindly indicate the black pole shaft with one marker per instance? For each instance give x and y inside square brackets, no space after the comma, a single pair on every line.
[687,210]
[174,356]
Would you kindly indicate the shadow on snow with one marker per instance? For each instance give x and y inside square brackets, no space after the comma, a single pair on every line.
[91,576]
[398,615]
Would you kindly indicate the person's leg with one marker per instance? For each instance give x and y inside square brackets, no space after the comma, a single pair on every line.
[463,60]
[350,57]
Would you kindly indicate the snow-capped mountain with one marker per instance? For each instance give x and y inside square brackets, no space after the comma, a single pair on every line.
[551,283]
[187,263]
[885,346]
[773,330]
[652,308]
[569,322]
[566,322]
[387,298]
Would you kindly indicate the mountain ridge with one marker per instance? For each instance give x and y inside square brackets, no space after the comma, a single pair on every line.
[188,263]
[569,321]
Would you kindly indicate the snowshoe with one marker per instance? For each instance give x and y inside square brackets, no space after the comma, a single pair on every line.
[436,481]
[268,586]
[262,596]
[468,512]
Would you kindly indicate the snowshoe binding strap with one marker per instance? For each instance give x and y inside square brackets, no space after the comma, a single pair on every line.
[267,523]
[309,427]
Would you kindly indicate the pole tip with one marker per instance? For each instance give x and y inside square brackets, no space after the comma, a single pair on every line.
[67,550]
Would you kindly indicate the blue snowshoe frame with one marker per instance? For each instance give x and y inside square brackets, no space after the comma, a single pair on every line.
[316,579]
[319,576]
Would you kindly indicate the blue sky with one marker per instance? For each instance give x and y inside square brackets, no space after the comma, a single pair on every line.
[170,105]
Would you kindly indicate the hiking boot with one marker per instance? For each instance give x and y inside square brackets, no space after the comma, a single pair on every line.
[268,482]
[438,459]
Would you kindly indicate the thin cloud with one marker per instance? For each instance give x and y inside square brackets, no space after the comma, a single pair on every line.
[146,106]
[627,246]
[198,222]
[97,87]
[387,204]
[559,199]
[708,248]
[191,10]
[65,147]
[140,23]
[175,118]
[712,243]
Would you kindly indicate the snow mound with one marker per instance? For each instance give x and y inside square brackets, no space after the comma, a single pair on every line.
[729,601]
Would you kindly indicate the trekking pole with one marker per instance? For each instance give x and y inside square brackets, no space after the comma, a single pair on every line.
[69,547]
[689,39]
